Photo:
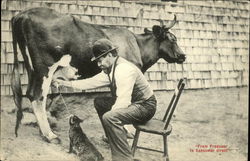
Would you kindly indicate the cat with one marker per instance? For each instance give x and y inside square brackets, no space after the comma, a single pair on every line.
[79,142]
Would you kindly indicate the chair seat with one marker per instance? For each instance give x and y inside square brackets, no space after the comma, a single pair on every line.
[154,126]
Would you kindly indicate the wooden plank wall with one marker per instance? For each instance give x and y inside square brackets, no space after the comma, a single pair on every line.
[213,34]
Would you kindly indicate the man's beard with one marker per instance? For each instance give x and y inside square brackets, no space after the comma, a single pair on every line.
[106,70]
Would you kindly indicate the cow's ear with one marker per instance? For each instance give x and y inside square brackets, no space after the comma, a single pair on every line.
[71,121]
[147,31]
[156,30]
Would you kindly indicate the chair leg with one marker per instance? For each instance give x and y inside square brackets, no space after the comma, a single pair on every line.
[165,148]
[134,145]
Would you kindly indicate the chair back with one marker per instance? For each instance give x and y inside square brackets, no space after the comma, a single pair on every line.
[172,105]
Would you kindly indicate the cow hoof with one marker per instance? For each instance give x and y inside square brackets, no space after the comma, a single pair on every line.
[56,141]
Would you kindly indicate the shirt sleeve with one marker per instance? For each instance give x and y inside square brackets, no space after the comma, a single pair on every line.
[99,80]
[125,77]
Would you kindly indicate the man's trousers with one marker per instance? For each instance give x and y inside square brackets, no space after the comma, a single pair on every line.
[114,120]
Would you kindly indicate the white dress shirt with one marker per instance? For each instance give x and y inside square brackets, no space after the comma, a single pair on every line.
[128,77]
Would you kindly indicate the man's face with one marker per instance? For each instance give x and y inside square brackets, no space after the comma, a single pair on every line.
[105,63]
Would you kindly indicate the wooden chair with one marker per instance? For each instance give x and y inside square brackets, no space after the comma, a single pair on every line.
[159,127]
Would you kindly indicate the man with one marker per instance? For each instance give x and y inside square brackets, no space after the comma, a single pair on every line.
[132,99]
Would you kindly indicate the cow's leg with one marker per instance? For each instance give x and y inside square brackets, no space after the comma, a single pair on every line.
[39,105]
[36,96]
[40,112]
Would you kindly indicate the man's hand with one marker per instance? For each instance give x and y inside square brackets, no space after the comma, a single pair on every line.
[57,82]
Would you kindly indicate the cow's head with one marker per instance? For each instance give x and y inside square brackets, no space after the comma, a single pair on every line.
[168,49]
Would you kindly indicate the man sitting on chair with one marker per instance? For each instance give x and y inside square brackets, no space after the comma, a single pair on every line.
[132,101]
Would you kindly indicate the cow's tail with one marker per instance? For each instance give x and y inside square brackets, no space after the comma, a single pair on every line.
[15,80]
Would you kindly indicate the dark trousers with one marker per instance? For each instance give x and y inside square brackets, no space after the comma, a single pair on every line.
[114,120]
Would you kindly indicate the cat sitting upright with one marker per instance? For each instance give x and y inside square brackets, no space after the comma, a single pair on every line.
[79,142]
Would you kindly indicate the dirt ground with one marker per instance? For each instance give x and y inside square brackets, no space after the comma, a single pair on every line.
[202,118]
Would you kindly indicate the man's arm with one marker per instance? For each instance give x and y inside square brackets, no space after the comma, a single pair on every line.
[125,77]
[99,80]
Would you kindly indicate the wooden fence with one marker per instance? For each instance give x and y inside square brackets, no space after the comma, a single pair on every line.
[213,34]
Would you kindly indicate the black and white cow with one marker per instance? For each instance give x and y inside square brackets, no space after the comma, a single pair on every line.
[48,40]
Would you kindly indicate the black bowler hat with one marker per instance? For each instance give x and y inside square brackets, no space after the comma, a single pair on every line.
[101,48]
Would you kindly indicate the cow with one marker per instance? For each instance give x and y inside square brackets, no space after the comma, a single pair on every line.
[50,41]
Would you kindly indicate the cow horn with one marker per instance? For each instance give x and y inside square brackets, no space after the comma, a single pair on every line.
[172,23]
[161,22]
[147,31]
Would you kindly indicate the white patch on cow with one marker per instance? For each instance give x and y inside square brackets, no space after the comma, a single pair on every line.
[58,47]
[64,61]
[66,73]
[29,59]
[40,106]
[40,112]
